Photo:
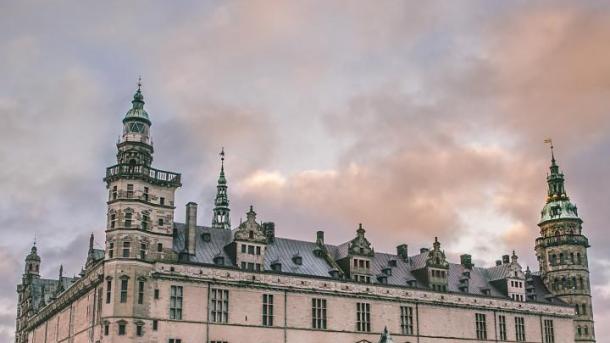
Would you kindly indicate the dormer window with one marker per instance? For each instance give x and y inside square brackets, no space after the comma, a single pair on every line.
[276,266]
[206,237]
[382,279]
[334,273]
[219,260]
[297,259]
[392,263]
[251,234]
[387,271]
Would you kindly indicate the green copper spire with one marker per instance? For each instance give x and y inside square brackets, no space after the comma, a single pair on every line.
[221,219]
[558,205]
[137,111]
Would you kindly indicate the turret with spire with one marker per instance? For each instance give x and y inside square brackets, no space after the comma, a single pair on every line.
[221,218]
[562,252]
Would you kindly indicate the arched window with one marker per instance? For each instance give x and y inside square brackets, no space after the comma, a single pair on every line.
[578,260]
[581,283]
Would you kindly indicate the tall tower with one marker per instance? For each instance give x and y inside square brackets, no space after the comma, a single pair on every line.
[561,250]
[140,217]
[25,303]
[221,218]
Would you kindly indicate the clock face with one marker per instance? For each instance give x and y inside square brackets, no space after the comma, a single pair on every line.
[136,127]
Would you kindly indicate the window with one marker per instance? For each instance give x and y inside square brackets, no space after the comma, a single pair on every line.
[124,286]
[114,193]
[258,250]
[140,292]
[549,333]
[502,320]
[175,302]
[129,191]
[145,220]
[106,329]
[122,328]
[219,306]
[174,340]
[363,317]
[126,248]
[267,309]
[406,320]
[145,193]
[481,326]
[155,325]
[219,342]
[142,251]
[519,329]
[112,221]
[251,249]
[128,219]
[139,330]
[161,201]
[160,222]
[111,250]
[159,247]
[156,293]
[318,313]
[108,291]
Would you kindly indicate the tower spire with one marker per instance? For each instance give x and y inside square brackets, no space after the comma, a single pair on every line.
[221,219]
[555,180]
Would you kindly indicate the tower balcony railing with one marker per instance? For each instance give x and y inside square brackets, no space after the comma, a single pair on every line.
[561,240]
[142,171]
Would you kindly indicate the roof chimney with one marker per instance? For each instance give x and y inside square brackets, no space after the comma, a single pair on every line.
[320,237]
[191,227]
[505,259]
[402,251]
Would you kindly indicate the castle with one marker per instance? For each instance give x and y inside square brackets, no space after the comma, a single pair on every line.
[166,282]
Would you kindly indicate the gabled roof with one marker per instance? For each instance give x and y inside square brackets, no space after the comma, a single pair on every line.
[282,250]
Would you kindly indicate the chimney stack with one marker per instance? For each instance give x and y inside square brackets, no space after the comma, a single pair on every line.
[505,259]
[269,231]
[191,227]
[320,237]
[403,252]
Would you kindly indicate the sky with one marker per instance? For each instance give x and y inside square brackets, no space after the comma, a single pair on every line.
[417,119]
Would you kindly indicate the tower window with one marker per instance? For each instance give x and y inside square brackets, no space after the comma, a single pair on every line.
[142,251]
[126,249]
[114,192]
[145,194]
[112,221]
[159,247]
[108,291]
[122,328]
[160,222]
[128,216]
[145,220]
[139,330]
[124,287]
[130,191]
[140,292]
[155,325]
[161,201]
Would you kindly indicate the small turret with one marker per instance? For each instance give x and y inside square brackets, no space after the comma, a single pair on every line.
[221,218]
[32,263]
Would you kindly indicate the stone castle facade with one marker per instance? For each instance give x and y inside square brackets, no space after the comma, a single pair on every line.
[166,282]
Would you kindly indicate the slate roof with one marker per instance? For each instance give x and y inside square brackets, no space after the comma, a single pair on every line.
[283,250]
[50,289]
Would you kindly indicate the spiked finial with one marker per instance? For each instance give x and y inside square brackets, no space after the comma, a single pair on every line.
[91,238]
[139,83]
[550,142]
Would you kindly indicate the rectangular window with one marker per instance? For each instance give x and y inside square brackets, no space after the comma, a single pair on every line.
[122,328]
[243,248]
[114,193]
[251,249]
[318,313]
[106,329]
[250,266]
[126,248]
[175,302]
[145,193]
[124,286]
[174,340]
[406,320]
[156,293]
[160,222]
[140,292]
[161,201]
[363,317]
[258,250]
[129,191]
[112,221]
[502,322]
[142,251]
[549,332]
[159,247]
[155,325]
[481,326]
[128,220]
[111,250]
[145,220]
[139,330]
[520,329]
[108,291]
[219,305]
[267,309]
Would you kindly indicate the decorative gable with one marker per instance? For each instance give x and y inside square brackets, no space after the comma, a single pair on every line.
[360,245]
[250,230]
